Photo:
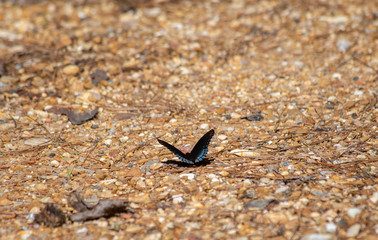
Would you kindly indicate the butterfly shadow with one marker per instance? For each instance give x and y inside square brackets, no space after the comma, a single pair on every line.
[176,163]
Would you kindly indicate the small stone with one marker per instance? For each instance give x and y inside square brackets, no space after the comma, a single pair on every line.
[25,234]
[374,198]
[281,189]
[202,111]
[222,137]
[45,200]
[82,230]
[204,126]
[244,153]
[40,187]
[134,228]
[177,199]
[156,166]
[41,114]
[354,230]
[343,44]
[317,236]
[35,210]
[320,193]
[71,70]
[190,176]
[36,141]
[108,142]
[353,212]
[55,163]
[331,227]
[235,115]
[261,204]
[140,198]
[124,139]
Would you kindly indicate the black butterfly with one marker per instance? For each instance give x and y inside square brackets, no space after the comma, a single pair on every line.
[197,154]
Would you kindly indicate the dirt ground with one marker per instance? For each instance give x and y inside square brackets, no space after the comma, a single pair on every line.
[88,87]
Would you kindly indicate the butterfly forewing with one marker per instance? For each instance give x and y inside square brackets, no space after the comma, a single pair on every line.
[197,154]
[200,149]
[182,156]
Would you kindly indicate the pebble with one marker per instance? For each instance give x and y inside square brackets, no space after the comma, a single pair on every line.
[35,210]
[203,111]
[108,142]
[124,139]
[374,198]
[261,204]
[133,228]
[244,153]
[353,212]
[153,236]
[281,189]
[222,137]
[190,176]
[317,236]
[235,116]
[82,230]
[71,70]
[177,199]
[41,114]
[40,187]
[25,234]
[36,141]
[331,227]
[343,44]
[156,166]
[354,230]
[204,126]
[55,163]
[320,193]
[213,177]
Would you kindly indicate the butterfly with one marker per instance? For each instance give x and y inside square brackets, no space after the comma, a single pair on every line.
[197,154]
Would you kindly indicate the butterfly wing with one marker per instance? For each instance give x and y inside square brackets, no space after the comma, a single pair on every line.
[182,156]
[200,149]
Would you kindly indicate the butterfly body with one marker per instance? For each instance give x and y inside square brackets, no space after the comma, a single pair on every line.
[197,154]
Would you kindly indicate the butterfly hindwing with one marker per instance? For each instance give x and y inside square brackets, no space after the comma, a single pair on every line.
[199,150]
[182,156]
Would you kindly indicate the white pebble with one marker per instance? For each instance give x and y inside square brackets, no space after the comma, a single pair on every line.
[82,230]
[354,230]
[177,199]
[235,115]
[190,176]
[353,212]
[281,189]
[222,137]
[124,139]
[108,142]
[374,198]
[55,163]
[204,126]
[202,111]
[336,76]
[331,227]
[317,236]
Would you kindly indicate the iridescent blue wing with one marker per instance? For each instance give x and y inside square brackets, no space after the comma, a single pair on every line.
[182,156]
[200,149]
